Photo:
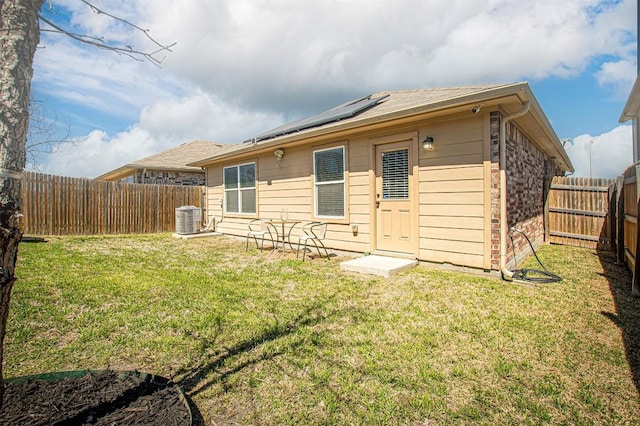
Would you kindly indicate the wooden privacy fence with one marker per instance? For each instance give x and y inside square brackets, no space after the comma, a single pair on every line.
[56,205]
[577,212]
[627,207]
[598,214]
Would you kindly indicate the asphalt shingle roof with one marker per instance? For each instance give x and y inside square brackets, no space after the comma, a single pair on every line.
[394,102]
[173,159]
[179,156]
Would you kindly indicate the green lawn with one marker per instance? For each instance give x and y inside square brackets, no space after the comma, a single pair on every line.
[259,338]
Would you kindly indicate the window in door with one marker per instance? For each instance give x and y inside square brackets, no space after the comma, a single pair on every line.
[395,175]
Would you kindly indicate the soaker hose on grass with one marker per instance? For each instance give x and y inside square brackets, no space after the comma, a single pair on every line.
[539,276]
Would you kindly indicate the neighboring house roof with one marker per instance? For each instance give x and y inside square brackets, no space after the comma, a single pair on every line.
[408,104]
[173,159]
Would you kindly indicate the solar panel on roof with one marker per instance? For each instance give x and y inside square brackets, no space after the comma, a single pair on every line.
[340,112]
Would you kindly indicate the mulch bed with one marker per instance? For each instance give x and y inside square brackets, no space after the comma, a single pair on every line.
[96,398]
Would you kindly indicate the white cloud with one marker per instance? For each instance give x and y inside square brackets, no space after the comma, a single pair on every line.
[162,125]
[605,156]
[620,75]
[241,67]
[206,117]
[97,153]
[297,56]
[289,55]
[103,81]
[94,21]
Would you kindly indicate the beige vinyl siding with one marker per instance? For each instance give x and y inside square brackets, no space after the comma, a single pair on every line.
[359,199]
[229,225]
[285,184]
[214,193]
[451,198]
[280,184]
[451,193]
[292,194]
[289,185]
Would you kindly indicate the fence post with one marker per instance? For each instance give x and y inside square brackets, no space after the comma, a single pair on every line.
[612,217]
[547,192]
[620,220]
[635,287]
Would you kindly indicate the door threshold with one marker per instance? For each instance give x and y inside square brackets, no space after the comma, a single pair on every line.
[397,254]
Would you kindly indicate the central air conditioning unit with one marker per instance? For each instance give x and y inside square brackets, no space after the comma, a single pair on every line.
[187,220]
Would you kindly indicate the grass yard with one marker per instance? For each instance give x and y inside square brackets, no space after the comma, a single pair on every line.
[259,338]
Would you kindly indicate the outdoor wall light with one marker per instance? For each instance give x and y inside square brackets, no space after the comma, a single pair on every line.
[427,144]
[279,153]
[354,229]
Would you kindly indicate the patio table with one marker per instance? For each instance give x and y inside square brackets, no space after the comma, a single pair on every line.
[283,231]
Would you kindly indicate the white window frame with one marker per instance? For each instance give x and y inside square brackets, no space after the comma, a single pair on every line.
[333,182]
[239,189]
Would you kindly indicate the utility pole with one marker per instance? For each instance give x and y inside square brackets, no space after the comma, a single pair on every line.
[591,159]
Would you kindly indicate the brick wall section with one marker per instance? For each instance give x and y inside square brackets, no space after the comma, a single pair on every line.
[529,172]
[495,190]
[159,177]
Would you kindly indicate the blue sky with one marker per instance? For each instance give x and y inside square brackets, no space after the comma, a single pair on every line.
[242,67]
[578,105]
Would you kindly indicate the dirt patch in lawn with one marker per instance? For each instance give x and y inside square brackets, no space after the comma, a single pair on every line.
[95,398]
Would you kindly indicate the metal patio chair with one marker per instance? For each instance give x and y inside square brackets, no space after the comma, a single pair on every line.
[259,228]
[314,232]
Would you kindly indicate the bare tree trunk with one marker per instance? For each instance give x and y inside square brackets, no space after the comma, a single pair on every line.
[19,36]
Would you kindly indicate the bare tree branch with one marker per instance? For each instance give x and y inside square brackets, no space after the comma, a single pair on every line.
[145,31]
[99,42]
[45,135]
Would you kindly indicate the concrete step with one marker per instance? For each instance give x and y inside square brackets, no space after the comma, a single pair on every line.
[378,265]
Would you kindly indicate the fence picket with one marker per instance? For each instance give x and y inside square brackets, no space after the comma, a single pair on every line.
[577,209]
[57,205]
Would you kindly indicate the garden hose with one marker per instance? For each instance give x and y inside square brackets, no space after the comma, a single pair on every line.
[538,276]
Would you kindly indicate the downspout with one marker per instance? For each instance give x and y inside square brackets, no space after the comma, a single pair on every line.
[213,222]
[506,274]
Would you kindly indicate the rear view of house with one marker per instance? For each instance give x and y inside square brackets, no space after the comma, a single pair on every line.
[438,175]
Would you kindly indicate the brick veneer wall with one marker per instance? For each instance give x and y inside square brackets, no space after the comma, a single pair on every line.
[529,172]
[495,190]
[159,177]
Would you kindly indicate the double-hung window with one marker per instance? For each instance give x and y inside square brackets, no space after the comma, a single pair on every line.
[328,169]
[240,189]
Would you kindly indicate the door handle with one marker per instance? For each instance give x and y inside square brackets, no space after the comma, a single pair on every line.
[377,204]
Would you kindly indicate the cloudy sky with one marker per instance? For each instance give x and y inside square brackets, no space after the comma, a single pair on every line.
[241,67]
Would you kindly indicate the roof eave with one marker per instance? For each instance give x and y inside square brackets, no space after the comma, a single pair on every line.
[493,93]
[551,135]
[117,174]
[632,107]
[187,168]
[129,169]
[521,90]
